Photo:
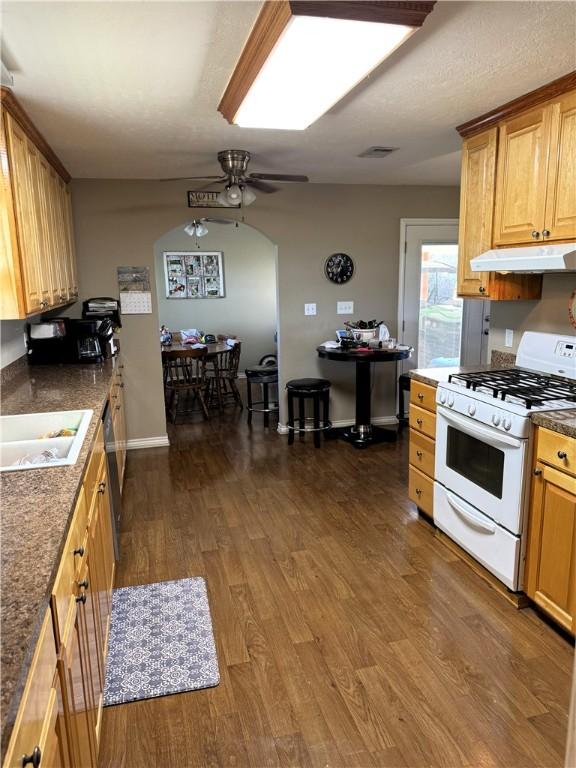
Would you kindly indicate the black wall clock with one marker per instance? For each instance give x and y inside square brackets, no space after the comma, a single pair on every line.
[339,268]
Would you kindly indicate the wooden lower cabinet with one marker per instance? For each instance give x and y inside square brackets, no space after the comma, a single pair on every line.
[61,709]
[422,447]
[551,554]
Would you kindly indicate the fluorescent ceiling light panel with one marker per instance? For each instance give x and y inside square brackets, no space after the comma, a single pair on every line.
[315,62]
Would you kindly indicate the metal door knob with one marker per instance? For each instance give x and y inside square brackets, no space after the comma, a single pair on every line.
[535,234]
[545,233]
[33,759]
[562,455]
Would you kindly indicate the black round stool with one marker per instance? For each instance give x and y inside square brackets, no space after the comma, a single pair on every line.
[264,376]
[318,390]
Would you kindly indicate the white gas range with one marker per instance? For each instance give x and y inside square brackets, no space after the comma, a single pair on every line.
[483,449]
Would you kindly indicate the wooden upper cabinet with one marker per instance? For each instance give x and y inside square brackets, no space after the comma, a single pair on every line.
[37,266]
[560,216]
[521,178]
[476,208]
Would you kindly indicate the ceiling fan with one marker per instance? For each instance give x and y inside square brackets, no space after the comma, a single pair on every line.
[197,227]
[239,183]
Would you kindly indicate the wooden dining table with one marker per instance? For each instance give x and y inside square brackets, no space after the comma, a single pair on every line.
[213,353]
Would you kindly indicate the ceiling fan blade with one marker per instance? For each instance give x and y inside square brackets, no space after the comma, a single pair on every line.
[196,178]
[216,221]
[279,177]
[261,186]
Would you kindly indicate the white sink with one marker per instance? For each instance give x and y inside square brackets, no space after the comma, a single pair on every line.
[24,441]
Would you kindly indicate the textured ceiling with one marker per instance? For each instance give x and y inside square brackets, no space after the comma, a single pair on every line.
[130,90]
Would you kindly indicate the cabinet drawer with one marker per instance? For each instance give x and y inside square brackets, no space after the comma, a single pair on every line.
[29,728]
[422,453]
[421,490]
[72,559]
[422,421]
[93,467]
[557,450]
[423,395]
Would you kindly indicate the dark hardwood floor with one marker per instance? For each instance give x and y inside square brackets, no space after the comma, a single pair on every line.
[347,634]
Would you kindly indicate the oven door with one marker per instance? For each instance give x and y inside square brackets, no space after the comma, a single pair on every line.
[482,465]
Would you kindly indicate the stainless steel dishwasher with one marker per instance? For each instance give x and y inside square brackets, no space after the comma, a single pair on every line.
[113,477]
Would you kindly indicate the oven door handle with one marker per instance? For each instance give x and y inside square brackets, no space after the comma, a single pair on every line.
[474,429]
[471,517]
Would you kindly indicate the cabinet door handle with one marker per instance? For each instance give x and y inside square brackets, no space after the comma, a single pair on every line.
[537,471]
[562,455]
[101,487]
[482,289]
[419,422]
[79,551]
[84,584]
[420,396]
[81,598]
[44,303]
[418,491]
[33,759]
[535,234]
[419,454]
[118,407]
[545,233]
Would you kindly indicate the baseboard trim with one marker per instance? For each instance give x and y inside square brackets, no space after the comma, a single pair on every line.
[387,421]
[148,442]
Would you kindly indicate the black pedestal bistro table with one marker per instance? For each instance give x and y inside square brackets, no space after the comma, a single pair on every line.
[363,433]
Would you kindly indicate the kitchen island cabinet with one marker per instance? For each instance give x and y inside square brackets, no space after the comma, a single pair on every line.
[550,579]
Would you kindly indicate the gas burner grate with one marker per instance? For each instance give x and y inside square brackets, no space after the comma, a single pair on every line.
[519,386]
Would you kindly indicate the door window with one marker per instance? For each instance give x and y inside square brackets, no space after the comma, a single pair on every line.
[440,318]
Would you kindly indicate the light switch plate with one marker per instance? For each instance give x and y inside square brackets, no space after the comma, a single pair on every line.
[509,338]
[309,309]
[345,307]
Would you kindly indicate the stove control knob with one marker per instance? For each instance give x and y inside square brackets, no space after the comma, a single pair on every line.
[442,398]
[507,423]
[450,401]
[495,419]
[471,409]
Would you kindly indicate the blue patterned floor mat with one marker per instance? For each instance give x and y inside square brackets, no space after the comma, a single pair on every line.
[161,641]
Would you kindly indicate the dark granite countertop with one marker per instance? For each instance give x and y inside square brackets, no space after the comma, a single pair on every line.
[558,421]
[36,510]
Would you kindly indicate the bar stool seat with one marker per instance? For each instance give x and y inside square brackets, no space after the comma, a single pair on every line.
[263,376]
[318,390]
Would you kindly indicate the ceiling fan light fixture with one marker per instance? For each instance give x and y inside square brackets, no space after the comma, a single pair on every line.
[233,194]
[201,229]
[190,229]
[248,196]
[310,55]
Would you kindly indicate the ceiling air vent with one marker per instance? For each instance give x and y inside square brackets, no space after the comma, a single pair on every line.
[377,151]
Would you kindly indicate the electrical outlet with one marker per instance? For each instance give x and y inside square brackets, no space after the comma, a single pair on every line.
[309,309]
[509,338]
[345,307]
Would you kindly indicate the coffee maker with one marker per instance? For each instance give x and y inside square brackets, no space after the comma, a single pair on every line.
[64,340]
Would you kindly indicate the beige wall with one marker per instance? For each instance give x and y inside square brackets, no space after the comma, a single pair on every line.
[550,314]
[248,309]
[118,222]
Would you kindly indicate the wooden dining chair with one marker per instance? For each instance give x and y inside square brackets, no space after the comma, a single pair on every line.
[221,381]
[184,380]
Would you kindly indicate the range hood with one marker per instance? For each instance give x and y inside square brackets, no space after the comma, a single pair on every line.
[530,258]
